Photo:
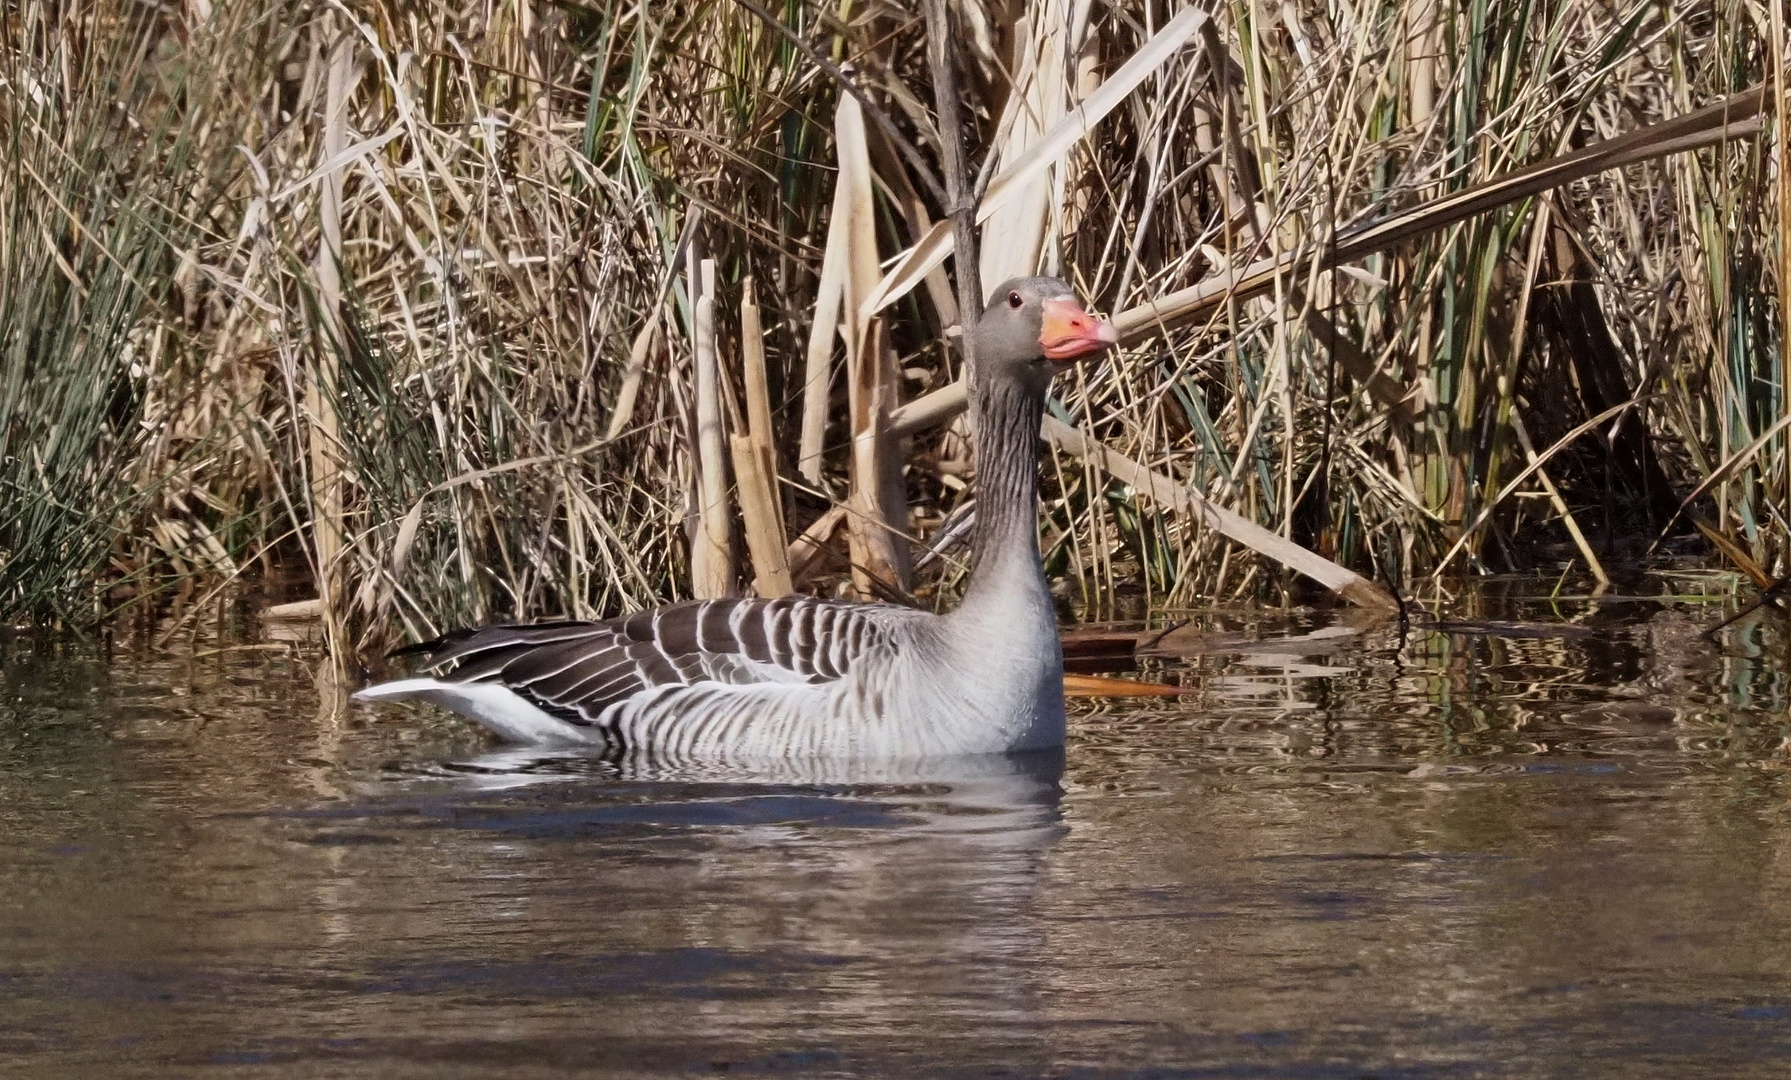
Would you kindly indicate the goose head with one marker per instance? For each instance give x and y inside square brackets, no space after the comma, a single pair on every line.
[1034,328]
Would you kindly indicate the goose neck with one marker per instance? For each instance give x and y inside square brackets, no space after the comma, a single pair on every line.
[1004,546]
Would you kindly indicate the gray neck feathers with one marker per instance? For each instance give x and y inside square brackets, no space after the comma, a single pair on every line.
[1004,547]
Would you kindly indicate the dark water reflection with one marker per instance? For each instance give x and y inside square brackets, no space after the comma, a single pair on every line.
[1540,852]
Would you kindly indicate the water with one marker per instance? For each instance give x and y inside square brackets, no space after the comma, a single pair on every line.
[1545,852]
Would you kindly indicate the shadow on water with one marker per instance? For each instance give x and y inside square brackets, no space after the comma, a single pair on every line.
[1540,838]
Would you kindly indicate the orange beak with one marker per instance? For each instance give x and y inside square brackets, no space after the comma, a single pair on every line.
[1068,332]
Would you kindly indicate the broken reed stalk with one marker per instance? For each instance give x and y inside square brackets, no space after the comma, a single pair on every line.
[808,551]
[623,413]
[322,389]
[818,369]
[878,520]
[1166,492]
[758,517]
[712,554]
[1554,497]
[755,461]
[880,563]
[758,391]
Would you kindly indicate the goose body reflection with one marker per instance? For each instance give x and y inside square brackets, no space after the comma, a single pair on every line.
[1006,795]
[749,682]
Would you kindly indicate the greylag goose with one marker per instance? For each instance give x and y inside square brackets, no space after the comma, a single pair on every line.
[739,680]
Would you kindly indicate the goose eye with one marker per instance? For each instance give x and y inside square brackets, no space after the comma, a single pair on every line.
[1014,300]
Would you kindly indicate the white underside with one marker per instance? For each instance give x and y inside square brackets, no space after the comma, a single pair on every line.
[508,714]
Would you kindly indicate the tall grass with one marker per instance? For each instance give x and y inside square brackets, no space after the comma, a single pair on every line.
[115,171]
[195,383]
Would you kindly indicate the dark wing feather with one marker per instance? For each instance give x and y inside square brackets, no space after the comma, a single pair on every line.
[576,670]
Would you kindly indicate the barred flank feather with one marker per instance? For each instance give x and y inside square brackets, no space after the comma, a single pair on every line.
[580,670]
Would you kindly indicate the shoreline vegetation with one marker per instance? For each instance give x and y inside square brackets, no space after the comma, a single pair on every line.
[520,309]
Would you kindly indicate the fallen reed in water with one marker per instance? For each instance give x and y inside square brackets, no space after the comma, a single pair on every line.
[405,293]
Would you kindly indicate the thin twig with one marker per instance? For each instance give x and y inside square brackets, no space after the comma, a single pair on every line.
[942,59]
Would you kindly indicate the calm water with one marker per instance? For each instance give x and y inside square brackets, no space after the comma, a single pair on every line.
[1552,851]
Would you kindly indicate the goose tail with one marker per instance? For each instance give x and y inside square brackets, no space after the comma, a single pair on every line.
[497,708]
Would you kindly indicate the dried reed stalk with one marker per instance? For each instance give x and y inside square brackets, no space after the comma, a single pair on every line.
[322,390]
[758,515]
[876,525]
[1345,583]
[712,558]
[880,563]
[1014,233]
[755,461]
[758,391]
[1554,497]
[829,294]
[622,414]
[808,550]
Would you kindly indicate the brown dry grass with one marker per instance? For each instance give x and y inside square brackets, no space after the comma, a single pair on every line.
[187,398]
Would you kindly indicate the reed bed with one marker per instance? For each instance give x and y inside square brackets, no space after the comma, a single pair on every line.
[444,303]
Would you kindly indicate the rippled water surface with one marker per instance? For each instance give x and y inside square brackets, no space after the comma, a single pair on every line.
[1555,844]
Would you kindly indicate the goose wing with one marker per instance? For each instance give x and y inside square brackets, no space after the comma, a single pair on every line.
[578,670]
